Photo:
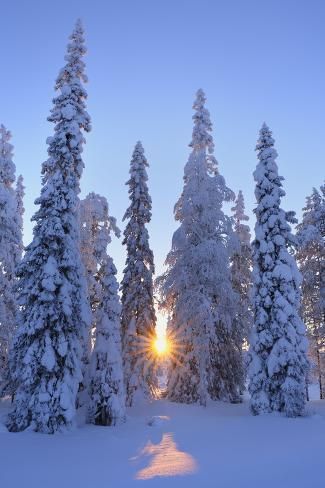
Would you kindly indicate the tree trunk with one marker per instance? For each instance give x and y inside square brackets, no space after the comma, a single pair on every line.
[307,390]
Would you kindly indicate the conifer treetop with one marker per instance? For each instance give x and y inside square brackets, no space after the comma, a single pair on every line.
[241,229]
[7,166]
[69,108]
[138,173]
[69,116]
[313,221]
[95,208]
[267,170]
[269,190]
[139,209]
[201,135]
[20,192]
[75,66]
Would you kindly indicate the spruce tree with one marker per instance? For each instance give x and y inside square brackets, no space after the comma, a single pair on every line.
[10,385]
[138,314]
[106,382]
[10,254]
[196,291]
[106,403]
[241,271]
[95,227]
[20,193]
[52,291]
[278,345]
[311,260]
[91,223]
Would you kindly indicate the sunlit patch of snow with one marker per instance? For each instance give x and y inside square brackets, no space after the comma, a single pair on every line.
[167,460]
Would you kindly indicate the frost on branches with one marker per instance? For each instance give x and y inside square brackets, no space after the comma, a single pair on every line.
[20,193]
[311,260]
[138,314]
[95,227]
[52,289]
[196,290]
[106,387]
[106,390]
[241,272]
[278,345]
[10,254]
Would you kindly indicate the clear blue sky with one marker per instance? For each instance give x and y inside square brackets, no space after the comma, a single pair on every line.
[257,61]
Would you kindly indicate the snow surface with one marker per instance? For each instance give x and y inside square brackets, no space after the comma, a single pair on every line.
[220,446]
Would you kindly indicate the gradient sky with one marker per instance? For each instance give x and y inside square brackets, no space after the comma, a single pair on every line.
[257,61]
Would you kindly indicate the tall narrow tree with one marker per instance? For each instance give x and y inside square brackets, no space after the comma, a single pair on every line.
[106,390]
[138,313]
[106,403]
[278,344]
[10,386]
[311,260]
[94,228]
[20,193]
[196,289]
[52,289]
[10,253]
[241,271]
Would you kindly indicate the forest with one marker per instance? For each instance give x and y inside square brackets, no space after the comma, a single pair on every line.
[245,310]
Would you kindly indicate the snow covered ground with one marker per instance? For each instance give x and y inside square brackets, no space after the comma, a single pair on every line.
[221,446]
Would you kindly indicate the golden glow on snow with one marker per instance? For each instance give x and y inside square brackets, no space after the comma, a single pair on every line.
[167,460]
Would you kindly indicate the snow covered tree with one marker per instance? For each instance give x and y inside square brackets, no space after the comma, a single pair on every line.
[52,290]
[10,254]
[9,385]
[93,229]
[311,260]
[91,222]
[20,193]
[138,314]
[241,271]
[96,226]
[106,387]
[106,391]
[196,291]
[278,345]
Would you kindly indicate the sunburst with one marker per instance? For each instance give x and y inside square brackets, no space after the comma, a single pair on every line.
[161,345]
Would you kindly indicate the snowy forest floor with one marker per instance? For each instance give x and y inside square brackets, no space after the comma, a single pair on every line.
[221,446]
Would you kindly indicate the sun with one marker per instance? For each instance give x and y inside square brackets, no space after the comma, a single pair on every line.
[161,345]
